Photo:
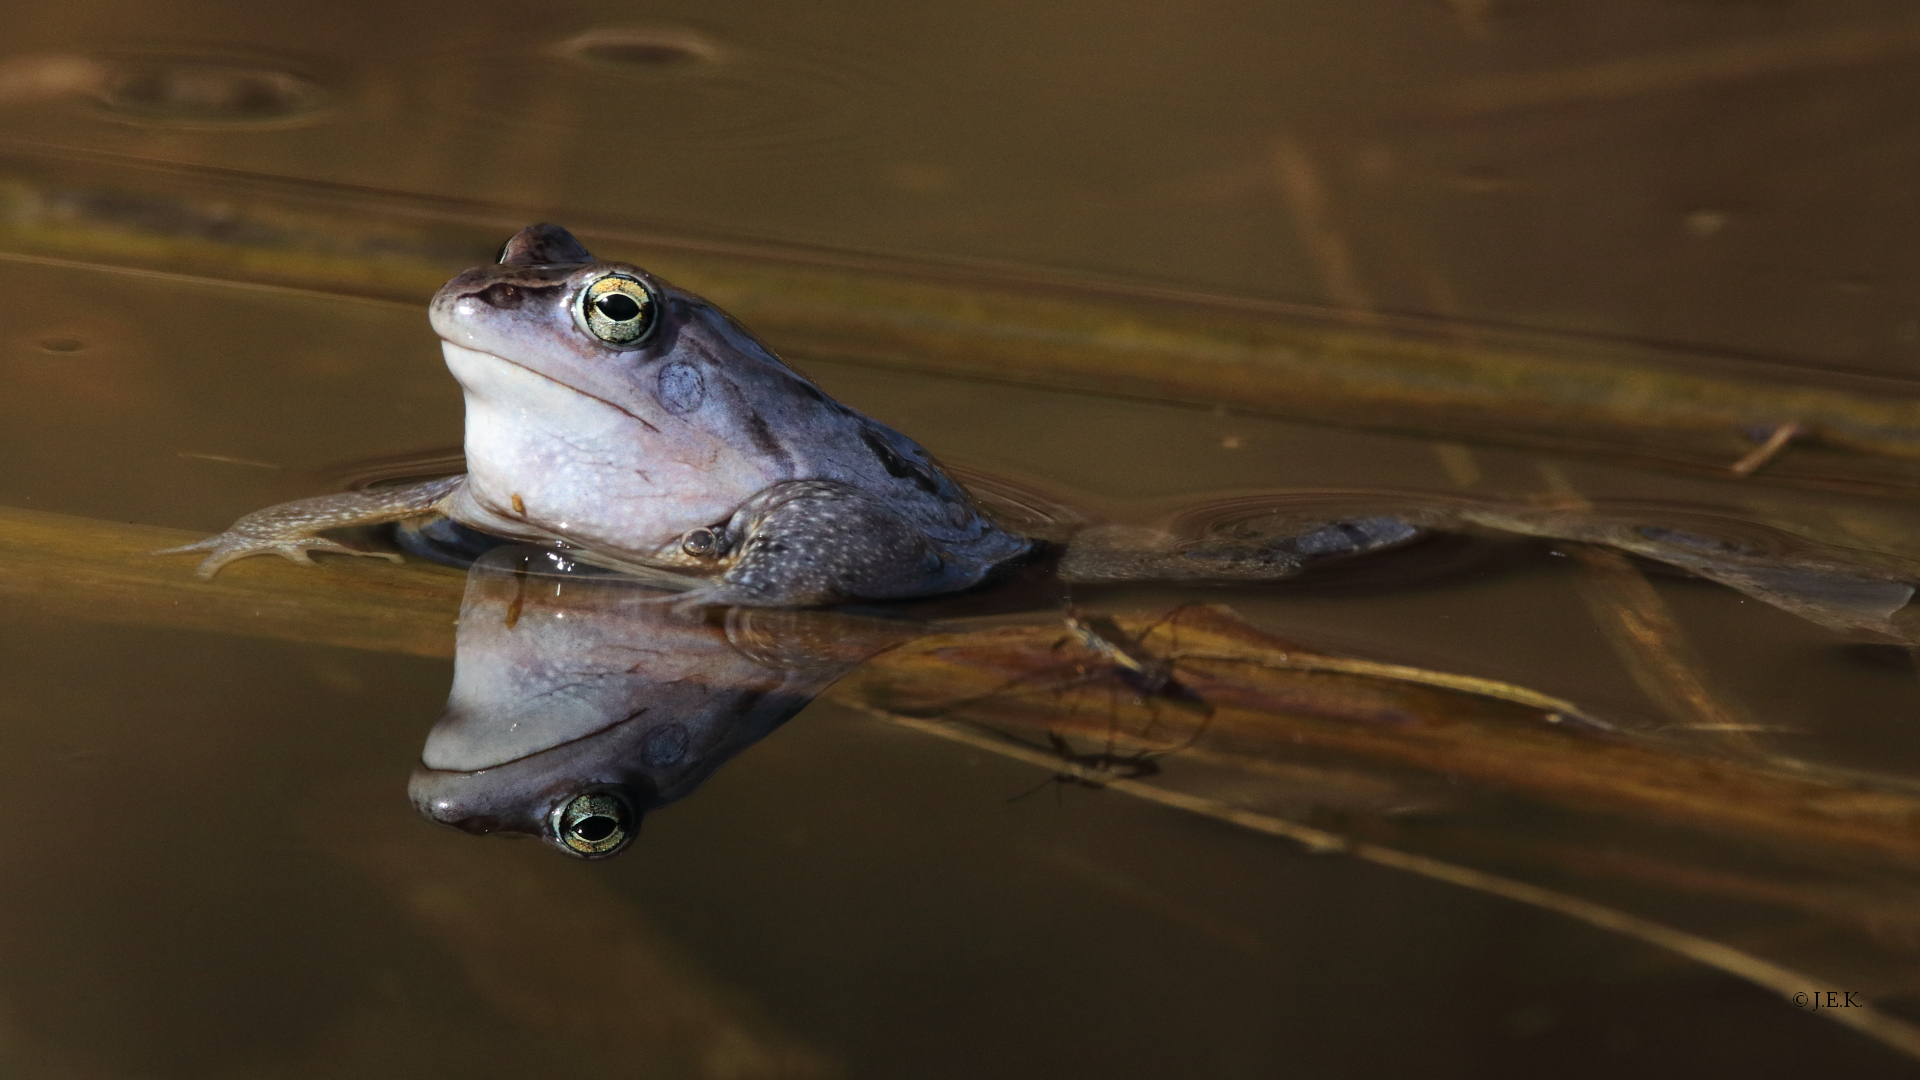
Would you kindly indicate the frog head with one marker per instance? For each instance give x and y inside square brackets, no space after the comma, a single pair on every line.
[607,407]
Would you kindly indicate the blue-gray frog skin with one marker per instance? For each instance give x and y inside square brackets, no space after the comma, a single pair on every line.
[610,412]
[579,705]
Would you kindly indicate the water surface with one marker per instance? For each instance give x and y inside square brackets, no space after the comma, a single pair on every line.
[216,871]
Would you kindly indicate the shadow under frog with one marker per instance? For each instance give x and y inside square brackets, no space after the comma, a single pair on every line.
[581,702]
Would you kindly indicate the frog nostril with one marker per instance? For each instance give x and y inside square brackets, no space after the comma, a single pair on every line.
[502,295]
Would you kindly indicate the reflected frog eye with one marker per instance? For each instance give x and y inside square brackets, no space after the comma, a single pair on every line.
[595,824]
[618,310]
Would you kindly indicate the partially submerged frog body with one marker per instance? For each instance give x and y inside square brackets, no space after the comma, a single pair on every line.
[1104,555]
[609,412]
[1246,540]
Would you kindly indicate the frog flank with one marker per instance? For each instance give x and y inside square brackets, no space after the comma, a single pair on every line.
[609,412]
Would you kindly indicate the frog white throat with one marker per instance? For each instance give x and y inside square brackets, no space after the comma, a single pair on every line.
[612,412]
[588,488]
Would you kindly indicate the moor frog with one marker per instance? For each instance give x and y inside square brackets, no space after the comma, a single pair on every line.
[609,412]
[612,414]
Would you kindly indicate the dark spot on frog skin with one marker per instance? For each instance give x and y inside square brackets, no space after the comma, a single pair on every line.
[899,467]
[665,745]
[681,389]
[505,296]
[763,439]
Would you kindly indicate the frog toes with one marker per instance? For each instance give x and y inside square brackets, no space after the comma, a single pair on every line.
[227,547]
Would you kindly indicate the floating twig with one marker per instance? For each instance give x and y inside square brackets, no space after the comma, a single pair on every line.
[1768,449]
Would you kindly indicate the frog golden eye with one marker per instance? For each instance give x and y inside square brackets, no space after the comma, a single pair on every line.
[595,824]
[618,310]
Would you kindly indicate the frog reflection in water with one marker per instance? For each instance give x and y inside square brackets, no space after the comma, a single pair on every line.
[610,412]
[579,704]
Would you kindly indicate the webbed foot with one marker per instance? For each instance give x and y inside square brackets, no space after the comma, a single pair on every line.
[233,544]
[291,530]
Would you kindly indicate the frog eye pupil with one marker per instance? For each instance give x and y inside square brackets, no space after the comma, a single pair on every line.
[595,829]
[595,824]
[618,307]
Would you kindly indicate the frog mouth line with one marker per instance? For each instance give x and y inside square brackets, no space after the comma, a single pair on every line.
[595,733]
[637,418]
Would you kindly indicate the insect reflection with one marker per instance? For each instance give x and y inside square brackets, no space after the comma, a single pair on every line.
[1125,659]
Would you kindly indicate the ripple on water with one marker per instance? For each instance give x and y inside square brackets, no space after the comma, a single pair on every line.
[638,86]
[171,89]
[1020,506]
[639,51]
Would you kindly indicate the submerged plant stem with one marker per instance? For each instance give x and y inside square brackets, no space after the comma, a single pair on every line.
[1643,632]
[1869,1021]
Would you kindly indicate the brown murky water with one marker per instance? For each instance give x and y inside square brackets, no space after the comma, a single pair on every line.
[1050,243]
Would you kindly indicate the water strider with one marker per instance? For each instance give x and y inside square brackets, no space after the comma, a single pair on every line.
[1136,666]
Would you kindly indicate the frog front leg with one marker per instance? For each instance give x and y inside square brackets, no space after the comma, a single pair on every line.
[815,542]
[292,529]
